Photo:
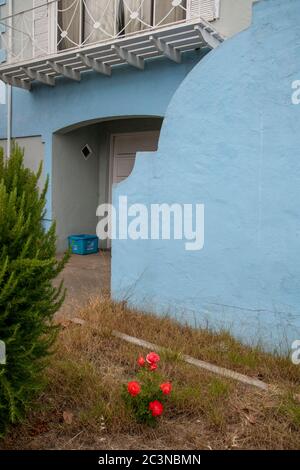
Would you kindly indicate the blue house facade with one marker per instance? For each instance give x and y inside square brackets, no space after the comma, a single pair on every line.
[169,102]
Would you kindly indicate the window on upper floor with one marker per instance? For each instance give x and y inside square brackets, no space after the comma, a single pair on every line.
[91,21]
[37,28]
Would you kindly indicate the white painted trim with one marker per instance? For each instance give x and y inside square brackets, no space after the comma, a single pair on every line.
[113,53]
[217,8]
[52,33]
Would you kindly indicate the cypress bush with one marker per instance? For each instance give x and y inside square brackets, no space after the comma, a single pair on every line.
[28,300]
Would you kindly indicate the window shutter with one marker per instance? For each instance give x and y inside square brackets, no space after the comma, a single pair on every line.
[2,30]
[41,28]
[206,9]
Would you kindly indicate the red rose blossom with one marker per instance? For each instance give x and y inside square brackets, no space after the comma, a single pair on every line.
[166,388]
[152,358]
[153,366]
[141,361]
[156,408]
[133,388]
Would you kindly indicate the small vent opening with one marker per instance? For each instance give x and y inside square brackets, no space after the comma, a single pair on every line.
[86,152]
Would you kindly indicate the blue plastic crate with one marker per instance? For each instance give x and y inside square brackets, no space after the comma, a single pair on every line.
[83,244]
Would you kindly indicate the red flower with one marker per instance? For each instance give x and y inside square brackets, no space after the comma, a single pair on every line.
[156,408]
[152,358]
[141,361]
[166,388]
[153,366]
[133,388]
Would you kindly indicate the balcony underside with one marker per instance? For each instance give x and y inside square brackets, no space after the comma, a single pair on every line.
[170,42]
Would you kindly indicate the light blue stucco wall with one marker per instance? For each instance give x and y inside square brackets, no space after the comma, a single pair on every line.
[230,140]
[128,92]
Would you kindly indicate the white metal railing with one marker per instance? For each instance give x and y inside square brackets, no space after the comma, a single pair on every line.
[53,26]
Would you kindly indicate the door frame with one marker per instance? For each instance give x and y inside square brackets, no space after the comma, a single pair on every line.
[111,155]
[111,163]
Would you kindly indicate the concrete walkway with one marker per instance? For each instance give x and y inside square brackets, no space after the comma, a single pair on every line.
[84,277]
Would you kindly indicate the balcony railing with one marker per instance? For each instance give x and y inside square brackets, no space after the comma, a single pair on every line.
[67,37]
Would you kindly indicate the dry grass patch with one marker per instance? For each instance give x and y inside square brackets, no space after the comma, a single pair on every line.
[220,349]
[81,406]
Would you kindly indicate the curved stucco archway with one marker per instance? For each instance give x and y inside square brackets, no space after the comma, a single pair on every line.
[80,184]
[230,140]
[128,92]
[127,120]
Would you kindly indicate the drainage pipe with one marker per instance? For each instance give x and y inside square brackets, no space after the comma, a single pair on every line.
[9,90]
[9,120]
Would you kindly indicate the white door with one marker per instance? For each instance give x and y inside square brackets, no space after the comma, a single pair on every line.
[124,149]
[123,152]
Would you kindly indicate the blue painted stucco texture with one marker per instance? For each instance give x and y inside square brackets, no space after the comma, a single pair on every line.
[231,141]
[127,93]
